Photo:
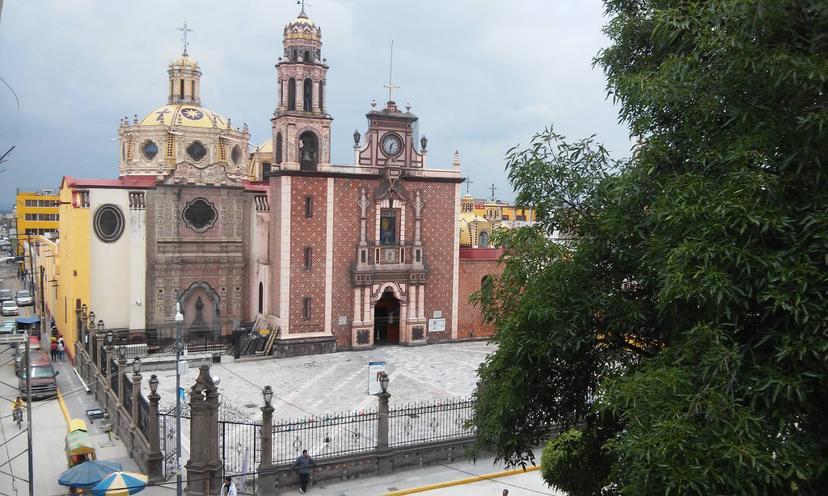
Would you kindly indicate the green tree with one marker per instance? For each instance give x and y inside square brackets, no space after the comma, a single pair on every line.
[684,316]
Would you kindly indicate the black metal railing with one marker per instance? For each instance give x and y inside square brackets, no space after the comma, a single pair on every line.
[328,436]
[128,394]
[113,375]
[240,445]
[430,422]
[143,415]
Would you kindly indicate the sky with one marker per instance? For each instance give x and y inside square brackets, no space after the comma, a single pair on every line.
[482,76]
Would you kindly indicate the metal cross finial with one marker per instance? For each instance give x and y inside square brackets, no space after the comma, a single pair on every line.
[468,184]
[492,189]
[184,30]
[391,87]
[302,3]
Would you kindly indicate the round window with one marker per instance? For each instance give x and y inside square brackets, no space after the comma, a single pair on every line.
[196,151]
[199,214]
[109,223]
[149,149]
[235,155]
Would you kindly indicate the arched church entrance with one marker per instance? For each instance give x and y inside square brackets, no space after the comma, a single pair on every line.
[200,305]
[387,319]
[308,151]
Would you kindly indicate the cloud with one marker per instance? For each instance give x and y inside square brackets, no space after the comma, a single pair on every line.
[482,75]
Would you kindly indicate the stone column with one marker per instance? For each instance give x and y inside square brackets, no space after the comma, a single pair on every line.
[122,377]
[384,465]
[154,457]
[99,352]
[215,463]
[204,466]
[267,482]
[136,394]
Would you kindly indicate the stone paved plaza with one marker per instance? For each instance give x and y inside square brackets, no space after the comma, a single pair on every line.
[338,382]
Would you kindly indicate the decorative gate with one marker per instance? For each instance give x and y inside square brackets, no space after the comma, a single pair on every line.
[240,445]
[167,432]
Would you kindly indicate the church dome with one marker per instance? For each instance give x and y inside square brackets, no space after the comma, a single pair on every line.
[184,61]
[186,115]
[266,147]
[302,28]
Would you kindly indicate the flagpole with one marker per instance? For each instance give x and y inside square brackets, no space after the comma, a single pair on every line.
[179,317]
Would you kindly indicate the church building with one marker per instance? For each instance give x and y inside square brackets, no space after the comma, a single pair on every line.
[329,256]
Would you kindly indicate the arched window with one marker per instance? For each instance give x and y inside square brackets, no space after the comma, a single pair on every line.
[308,57]
[308,151]
[293,55]
[307,101]
[483,240]
[291,94]
[261,298]
[192,89]
[181,88]
[321,99]
[278,148]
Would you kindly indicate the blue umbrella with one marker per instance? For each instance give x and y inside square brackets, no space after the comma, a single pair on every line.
[88,473]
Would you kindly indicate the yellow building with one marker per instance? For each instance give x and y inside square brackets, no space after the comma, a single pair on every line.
[36,214]
[72,265]
[480,218]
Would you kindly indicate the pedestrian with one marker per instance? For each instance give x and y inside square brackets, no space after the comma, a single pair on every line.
[53,351]
[505,492]
[228,488]
[303,466]
[61,349]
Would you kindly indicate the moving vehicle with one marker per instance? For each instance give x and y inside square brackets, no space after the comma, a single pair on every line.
[5,294]
[8,326]
[9,307]
[78,445]
[44,384]
[17,414]
[24,298]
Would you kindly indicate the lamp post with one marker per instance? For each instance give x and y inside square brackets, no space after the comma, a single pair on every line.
[266,482]
[136,390]
[383,396]
[179,317]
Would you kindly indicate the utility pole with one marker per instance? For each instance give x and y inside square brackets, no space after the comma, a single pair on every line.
[29,411]
[179,317]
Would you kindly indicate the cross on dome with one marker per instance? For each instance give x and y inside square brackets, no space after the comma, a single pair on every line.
[184,30]
[391,86]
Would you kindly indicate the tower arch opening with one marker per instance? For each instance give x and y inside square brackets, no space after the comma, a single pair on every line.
[308,151]
[278,148]
[307,93]
[291,94]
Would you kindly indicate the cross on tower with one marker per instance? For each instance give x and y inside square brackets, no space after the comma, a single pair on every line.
[302,3]
[468,184]
[184,30]
[391,87]
[492,189]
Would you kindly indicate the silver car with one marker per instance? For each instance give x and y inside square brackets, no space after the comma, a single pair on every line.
[24,298]
[5,294]
[9,307]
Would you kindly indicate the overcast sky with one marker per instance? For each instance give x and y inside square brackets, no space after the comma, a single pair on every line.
[482,75]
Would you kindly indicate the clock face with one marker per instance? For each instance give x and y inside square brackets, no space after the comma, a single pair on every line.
[391,145]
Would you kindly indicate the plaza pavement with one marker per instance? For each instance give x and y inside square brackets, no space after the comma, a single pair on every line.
[337,382]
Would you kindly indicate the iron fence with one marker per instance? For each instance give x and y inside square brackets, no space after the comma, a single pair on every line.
[324,437]
[127,394]
[167,433]
[430,422]
[114,377]
[241,445]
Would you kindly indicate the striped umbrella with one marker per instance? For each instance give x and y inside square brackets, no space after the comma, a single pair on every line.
[120,484]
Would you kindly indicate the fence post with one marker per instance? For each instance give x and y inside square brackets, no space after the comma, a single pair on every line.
[266,482]
[154,458]
[136,394]
[121,378]
[382,418]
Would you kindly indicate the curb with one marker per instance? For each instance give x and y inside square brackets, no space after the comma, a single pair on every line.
[63,408]
[467,480]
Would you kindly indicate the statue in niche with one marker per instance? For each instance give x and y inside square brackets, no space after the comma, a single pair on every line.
[199,325]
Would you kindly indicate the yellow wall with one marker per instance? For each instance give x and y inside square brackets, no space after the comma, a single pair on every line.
[47,207]
[46,258]
[72,265]
[503,211]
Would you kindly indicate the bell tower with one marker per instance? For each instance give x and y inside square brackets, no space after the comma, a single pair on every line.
[301,126]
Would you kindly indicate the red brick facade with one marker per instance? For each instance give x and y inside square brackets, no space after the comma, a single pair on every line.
[475,265]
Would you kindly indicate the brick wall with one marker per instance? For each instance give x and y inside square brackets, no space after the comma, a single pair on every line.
[472,273]
[307,232]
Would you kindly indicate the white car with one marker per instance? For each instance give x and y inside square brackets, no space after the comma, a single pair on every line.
[24,298]
[9,308]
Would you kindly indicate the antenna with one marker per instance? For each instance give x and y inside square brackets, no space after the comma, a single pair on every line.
[391,87]
[184,30]
[492,189]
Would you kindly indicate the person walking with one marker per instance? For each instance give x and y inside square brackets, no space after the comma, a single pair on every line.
[61,349]
[228,488]
[303,466]
[53,350]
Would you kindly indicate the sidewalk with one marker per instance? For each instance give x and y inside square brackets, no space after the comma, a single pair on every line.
[401,482]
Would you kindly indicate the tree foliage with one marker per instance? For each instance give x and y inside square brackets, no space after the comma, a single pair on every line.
[685,309]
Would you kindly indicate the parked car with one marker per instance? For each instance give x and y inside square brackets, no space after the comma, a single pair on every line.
[24,298]
[9,307]
[8,327]
[44,384]
[5,294]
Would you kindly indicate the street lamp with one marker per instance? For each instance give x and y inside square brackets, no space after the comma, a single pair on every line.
[136,368]
[153,382]
[109,335]
[383,380]
[267,395]
[122,351]
[100,322]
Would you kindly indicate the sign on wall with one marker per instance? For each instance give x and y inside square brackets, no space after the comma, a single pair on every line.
[374,370]
[436,325]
